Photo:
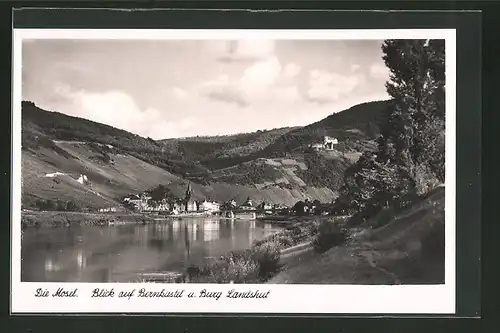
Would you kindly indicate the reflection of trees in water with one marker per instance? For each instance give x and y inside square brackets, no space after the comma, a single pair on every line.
[91,252]
[125,230]
[158,244]
[104,274]
[162,230]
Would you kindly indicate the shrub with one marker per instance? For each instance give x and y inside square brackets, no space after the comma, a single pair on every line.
[267,256]
[329,235]
[255,265]
[234,267]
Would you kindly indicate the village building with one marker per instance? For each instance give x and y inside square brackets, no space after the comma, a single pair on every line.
[209,206]
[231,204]
[108,210]
[82,179]
[248,204]
[139,202]
[161,206]
[189,204]
[265,207]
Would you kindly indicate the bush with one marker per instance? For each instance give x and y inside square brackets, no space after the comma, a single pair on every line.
[51,205]
[255,265]
[237,267]
[267,256]
[329,235]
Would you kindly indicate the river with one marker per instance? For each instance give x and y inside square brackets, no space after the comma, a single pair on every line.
[122,253]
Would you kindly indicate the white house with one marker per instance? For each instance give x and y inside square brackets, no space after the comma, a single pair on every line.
[327,144]
[82,179]
[108,210]
[139,202]
[209,206]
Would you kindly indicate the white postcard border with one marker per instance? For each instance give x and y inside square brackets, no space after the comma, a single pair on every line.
[306,299]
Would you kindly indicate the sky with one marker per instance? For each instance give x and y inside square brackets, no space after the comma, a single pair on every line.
[179,88]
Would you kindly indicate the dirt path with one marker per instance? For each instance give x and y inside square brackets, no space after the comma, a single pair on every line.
[367,255]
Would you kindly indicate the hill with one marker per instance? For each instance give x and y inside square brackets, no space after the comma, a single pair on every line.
[409,249]
[40,128]
[355,129]
[272,165]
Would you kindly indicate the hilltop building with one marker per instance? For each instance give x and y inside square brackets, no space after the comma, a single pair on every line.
[327,144]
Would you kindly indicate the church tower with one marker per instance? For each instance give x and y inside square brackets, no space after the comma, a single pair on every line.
[187,197]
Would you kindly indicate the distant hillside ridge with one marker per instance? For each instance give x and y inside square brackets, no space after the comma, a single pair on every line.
[228,150]
[354,128]
[40,128]
[271,165]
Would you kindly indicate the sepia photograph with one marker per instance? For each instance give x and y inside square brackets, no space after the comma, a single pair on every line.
[173,160]
[233,161]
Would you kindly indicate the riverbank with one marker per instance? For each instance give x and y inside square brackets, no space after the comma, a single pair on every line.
[265,257]
[48,219]
[409,249]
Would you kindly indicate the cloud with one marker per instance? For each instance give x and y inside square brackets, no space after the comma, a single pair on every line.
[244,50]
[255,84]
[291,70]
[355,67]
[287,94]
[260,76]
[118,109]
[379,71]
[228,94]
[179,93]
[326,87]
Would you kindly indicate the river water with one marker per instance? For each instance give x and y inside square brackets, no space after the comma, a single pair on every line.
[124,253]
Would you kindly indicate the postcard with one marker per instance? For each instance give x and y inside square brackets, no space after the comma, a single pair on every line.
[233,171]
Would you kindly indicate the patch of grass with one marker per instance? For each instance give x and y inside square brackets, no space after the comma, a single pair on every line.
[254,265]
[433,241]
[257,264]
[383,217]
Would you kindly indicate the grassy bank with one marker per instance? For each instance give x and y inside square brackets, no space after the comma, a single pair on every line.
[263,260]
[409,249]
[64,219]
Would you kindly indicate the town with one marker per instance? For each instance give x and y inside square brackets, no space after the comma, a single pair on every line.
[159,201]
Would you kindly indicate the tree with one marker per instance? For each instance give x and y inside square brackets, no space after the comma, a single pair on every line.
[409,159]
[161,192]
[416,123]
[298,208]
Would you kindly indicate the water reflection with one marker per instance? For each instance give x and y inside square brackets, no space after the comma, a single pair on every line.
[120,253]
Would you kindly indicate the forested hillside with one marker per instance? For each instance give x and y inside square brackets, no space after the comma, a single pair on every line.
[260,164]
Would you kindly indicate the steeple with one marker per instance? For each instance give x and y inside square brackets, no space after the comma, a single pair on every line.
[188,192]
